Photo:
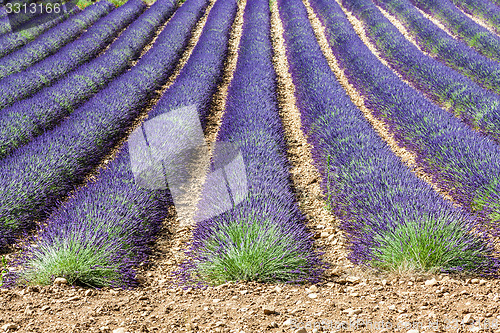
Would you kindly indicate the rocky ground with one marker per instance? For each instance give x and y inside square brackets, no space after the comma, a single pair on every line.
[350,299]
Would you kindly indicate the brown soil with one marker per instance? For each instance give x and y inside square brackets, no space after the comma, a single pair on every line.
[354,298]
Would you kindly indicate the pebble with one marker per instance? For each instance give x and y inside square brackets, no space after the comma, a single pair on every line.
[216,300]
[120,330]
[474,281]
[289,322]
[313,288]
[353,279]
[10,326]
[29,310]
[88,292]
[312,295]
[268,311]
[278,289]
[45,307]
[352,311]
[324,234]
[301,330]
[413,331]
[431,282]
[468,319]
[59,281]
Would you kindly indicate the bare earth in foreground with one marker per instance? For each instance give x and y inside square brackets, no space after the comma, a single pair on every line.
[363,300]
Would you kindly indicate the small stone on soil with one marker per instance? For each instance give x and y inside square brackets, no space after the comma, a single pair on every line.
[59,281]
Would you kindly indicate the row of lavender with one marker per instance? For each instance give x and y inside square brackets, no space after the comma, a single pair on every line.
[445,48]
[37,176]
[263,236]
[483,9]
[11,41]
[394,220]
[113,218]
[464,28]
[476,106]
[51,40]
[460,160]
[28,118]
[10,23]
[27,75]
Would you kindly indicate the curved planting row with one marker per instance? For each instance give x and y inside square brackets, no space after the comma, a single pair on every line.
[26,119]
[12,41]
[462,161]
[50,41]
[440,45]
[36,177]
[20,85]
[476,36]
[4,21]
[476,106]
[198,79]
[393,219]
[7,24]
[483,9]
[264,237]
[113,219]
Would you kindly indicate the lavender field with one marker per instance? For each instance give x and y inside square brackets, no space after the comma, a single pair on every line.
[116,117]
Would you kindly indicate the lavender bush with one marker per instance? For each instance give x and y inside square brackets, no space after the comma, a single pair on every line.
[483,9]
[17,86]
[464,28]
[103,232]
[460,160]
[7,24]
[479,108]
[393,220]
[98,236]
[26,119]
